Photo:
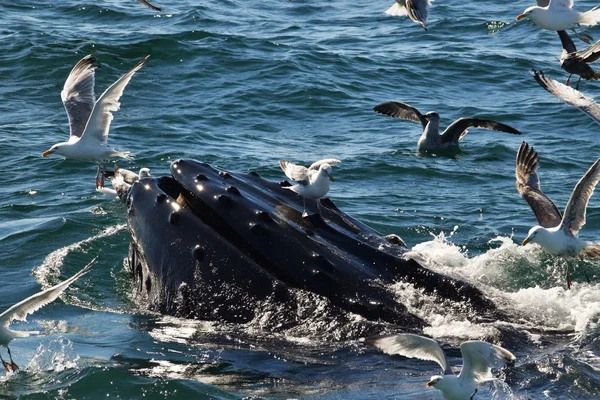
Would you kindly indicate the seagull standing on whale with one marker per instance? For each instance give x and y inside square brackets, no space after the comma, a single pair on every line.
[31,304]
[478,360]
[89,119]
[311,182]
[556,233]
[430,139]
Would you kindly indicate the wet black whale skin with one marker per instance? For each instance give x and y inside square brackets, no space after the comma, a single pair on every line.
[239,240]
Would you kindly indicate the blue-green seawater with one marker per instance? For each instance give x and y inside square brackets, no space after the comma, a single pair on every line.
[242,85]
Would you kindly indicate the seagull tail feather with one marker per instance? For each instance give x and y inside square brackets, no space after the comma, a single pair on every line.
[590,250]
[591,17]
[397,10]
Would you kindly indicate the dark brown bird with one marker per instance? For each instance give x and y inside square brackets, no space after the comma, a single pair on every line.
[575,62]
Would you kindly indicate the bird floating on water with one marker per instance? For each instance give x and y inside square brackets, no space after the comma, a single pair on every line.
[417,10]
[575,62]
[89,119]
[479,358]
[556,233]
[311,182]
[569,95]
[430,139]
[31,304]
[558,15]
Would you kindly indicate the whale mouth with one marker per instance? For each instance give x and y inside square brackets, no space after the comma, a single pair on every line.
[212,244]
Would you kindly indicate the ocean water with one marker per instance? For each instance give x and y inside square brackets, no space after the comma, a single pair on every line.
[242,85]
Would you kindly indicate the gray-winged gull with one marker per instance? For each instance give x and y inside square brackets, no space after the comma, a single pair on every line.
[311,182]
[479,358]
[89,119]
[416,10]
[430,139]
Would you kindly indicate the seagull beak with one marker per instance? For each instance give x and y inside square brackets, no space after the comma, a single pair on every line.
[527,239]
[521,16]
[44,154]
[430,383]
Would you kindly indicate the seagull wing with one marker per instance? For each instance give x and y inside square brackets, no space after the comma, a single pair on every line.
[417,11]
[331,161]
[97,127]
[152,6]
[528,185]
[458,129]
[400,110]
[412,346]
[590,54]
[574,216]
[569,95]
[126,175]
[295,172]
[480,357]
[33,303]
[560,3]
[78,94]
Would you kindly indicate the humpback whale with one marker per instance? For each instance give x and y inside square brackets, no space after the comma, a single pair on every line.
[213,244]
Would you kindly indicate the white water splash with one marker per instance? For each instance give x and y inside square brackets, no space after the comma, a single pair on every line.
[520,279]
[50,268]
[57,355]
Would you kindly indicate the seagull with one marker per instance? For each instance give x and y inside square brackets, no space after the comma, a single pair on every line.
[556,233]
[30,305]
[558,15]
[478,360]
[575,62]
[121,180]
[89,119]
[311,182]
[415,9]
[569,95]
[152,6]
[430,139]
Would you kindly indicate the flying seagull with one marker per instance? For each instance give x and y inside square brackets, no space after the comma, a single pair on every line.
[558,15]
[575,62]
[569,95]
[556,233]
[30,305]
[430,139]
[478,360]
[89,119]
[311,182]
[152,6]
[417,10]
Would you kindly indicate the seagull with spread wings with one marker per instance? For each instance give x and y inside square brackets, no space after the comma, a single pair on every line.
[569,95]
[90,119]
[556,232]
[417,10]
[30,305]
[558,15]
[430,139]
[311,182]
[577,63]
[479,358]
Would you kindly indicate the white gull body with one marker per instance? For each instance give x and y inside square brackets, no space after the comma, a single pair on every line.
[478,360]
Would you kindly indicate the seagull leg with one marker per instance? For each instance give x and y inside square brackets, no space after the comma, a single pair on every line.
[577,86]
[473,395]
[5,364]
[585,38]
[12,363]
[97,176]
[568,82]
